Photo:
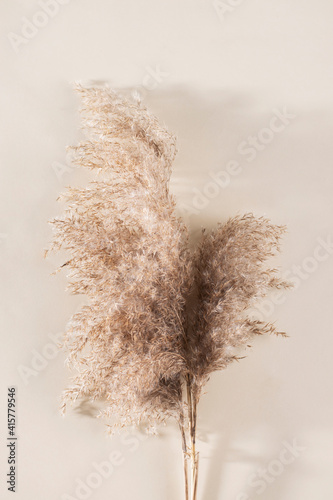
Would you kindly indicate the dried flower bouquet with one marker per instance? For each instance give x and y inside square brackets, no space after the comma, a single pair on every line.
[161,317]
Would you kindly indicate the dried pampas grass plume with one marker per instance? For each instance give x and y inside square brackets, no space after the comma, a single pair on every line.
[160,317]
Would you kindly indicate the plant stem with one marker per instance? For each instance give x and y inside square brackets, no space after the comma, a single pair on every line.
[185,458]
[192,418]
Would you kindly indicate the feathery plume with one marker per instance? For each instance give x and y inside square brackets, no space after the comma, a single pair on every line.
[160,318]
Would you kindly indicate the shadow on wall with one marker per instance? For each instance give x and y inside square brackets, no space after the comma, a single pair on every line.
[208,129]
[253,450]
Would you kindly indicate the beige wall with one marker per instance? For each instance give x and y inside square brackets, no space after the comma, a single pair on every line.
[221,79]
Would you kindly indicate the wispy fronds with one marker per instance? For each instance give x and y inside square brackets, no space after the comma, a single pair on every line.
[129,256]
[231,277]
[160,318]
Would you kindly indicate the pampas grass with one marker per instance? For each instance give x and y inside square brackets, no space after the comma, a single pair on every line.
[160,317]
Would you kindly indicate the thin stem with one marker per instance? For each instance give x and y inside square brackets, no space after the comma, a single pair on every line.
[195,487]
[192,418]
[185,458]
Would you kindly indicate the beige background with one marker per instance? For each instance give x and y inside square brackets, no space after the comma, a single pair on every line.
[224,72]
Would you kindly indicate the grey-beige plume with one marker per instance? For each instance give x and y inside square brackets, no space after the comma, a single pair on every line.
[160,315]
